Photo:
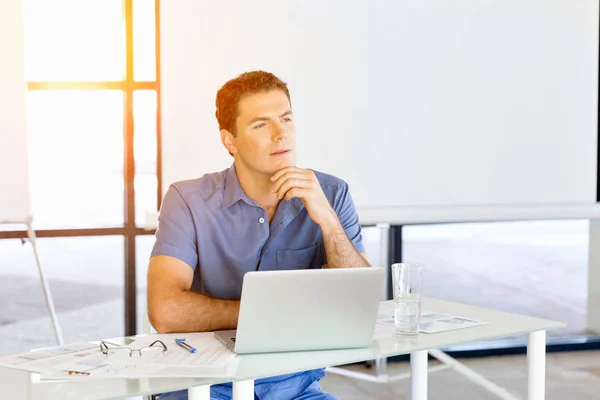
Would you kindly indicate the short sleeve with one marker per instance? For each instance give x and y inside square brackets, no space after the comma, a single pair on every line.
[344,207]
[176,234]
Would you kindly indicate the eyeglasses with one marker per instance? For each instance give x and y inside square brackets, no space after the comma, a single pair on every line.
[154,351]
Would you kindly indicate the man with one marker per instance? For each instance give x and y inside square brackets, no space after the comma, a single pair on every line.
[261,214]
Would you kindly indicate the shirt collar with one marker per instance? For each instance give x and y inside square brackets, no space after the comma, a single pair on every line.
[233,189]
[234,193]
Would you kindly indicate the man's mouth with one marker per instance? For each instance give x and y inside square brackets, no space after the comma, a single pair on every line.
[281,152]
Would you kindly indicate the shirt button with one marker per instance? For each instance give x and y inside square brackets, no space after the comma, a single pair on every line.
[261,220]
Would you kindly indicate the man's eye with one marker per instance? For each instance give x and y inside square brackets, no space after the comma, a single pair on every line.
[260,125]
[287,119]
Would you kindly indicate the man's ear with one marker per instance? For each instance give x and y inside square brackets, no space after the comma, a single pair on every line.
[228,141]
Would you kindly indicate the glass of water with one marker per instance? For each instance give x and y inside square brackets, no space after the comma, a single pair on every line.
[407,280]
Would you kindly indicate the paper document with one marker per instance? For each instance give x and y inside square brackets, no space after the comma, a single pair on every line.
[108,371]
[434,322]
[212,359]
[41,360]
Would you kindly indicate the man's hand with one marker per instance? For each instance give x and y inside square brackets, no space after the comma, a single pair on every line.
[293,182]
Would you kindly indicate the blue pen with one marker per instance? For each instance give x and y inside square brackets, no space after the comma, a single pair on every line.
[182,343]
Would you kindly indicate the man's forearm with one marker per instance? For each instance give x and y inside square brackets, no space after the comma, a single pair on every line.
[187,311]
[339,249]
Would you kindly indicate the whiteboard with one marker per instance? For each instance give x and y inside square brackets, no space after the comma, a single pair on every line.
[14,168]
[416,104]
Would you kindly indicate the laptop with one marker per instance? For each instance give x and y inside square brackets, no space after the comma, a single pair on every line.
[301,310]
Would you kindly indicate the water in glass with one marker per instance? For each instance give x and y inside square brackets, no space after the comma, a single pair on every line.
[407,316]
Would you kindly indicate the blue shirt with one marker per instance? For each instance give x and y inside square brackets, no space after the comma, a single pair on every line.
[212,225]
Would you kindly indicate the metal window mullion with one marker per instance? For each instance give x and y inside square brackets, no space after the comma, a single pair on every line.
[129,177]
[158,106]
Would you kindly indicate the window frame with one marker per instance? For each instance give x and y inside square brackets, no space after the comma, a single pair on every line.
[129,231]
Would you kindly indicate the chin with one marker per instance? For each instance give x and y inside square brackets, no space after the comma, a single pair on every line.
[289,160]
[272,166]
[285,163]
[268,170]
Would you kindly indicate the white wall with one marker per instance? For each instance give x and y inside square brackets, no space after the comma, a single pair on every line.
[415,103]
[14,170]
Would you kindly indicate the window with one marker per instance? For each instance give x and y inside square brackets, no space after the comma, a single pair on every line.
[76,158]
[85,276]
[92,125]
[74,40]
[536,268]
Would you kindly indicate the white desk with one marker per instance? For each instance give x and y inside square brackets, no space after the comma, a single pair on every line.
[21,385]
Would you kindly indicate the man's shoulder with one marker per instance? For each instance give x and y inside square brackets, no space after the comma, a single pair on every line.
[333,187]
[204,186]
[330,180]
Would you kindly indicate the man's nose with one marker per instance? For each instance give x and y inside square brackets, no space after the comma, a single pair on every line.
[280,132]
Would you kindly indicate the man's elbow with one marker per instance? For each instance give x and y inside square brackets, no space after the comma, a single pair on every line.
[158,314]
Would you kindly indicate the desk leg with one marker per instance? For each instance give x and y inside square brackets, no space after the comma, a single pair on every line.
[243,390]
[418,375]
[593,299]
[536,365]
[199,393]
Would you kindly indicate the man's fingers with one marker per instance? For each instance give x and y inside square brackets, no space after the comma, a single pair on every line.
[283,171]
[285,177]
[291,184]
[297,192]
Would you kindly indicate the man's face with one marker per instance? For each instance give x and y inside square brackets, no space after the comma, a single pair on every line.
[266,134]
